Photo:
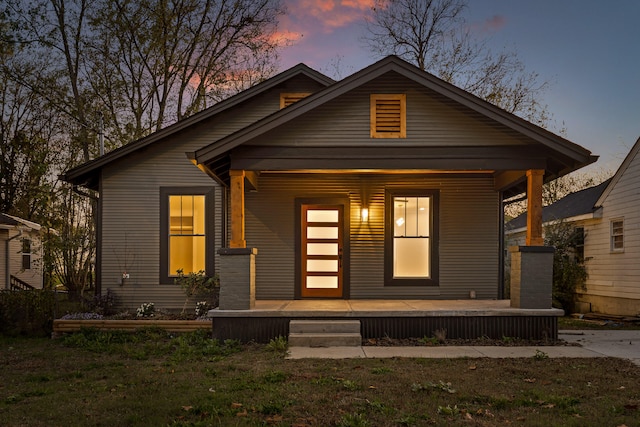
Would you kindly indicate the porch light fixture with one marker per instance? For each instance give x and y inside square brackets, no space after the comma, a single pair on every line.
[365,214]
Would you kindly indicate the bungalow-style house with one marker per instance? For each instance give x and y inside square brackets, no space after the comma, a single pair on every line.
[607,216]
[20,254]
[312,197]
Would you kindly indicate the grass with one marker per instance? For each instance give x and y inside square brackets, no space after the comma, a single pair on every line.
[151,378]
[568,322]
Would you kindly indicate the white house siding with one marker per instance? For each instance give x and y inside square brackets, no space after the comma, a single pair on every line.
[468,233]
[613,285]
[32,276]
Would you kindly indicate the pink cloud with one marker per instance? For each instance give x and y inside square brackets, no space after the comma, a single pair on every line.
[323,16]
[495,23]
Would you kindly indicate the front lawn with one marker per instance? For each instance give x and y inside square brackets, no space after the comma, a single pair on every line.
[151,378]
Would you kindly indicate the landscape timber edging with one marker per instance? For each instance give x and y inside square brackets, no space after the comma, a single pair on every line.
[61,326]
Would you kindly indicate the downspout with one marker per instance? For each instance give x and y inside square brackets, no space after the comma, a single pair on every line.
[501,248]
[8,258]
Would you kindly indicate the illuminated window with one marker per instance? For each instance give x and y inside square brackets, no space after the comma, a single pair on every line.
[617,235]
[411,256]
[187,231]
[287,99]
[388,116]
[186,234]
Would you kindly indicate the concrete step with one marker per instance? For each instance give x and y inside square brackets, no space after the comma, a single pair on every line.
[324,326]
[324,333]
[324,340]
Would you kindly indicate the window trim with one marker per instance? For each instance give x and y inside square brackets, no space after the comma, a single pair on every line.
[434,237]
[209,203]
[374,115]
[612,247]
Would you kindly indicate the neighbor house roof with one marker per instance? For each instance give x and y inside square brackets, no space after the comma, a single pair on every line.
[574,206]
[10,221]
[621,170]
[569,156]
[86,174]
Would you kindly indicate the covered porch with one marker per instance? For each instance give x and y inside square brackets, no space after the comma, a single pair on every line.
[468,318]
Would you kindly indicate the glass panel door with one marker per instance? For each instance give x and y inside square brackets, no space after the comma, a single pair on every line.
[322,229]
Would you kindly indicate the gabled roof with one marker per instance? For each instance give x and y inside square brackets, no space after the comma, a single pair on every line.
[621,170]
[10,221]
[575,205]
[85,174]
[572,155]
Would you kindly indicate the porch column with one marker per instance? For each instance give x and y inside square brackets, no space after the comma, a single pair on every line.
[534,207]
[236,189]
[532,265]
[237,278]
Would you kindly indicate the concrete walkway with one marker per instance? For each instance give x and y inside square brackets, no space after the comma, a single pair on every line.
[600,343]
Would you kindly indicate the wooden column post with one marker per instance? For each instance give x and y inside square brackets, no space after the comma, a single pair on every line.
[534,207]
[237,209]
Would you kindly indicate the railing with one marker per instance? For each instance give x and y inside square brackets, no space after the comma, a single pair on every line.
[19,285]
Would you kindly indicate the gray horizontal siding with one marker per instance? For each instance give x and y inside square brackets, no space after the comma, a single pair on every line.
[431,120]
[468,233]
[130,198]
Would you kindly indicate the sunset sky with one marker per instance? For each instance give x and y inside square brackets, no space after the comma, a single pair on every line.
[588,49]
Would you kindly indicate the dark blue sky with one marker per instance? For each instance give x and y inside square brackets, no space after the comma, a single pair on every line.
[588,49]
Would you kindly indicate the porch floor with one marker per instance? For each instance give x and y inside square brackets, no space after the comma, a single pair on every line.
[383,308]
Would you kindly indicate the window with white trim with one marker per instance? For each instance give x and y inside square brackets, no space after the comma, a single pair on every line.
[617,235]
[26,254]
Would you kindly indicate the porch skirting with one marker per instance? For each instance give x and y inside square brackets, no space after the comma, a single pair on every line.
[466,319]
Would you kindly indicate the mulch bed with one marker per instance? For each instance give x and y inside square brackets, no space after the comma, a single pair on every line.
[483,341]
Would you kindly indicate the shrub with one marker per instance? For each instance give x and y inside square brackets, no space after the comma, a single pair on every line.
[569,272]
[104,304]
[27,312]
[147,309]
[200,284]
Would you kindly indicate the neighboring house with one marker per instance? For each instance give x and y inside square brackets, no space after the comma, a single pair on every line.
[607,215]
[385,185]
[576,209]
[612,244]
[20,254]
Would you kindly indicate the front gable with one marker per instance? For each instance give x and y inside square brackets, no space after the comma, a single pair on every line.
[446,130]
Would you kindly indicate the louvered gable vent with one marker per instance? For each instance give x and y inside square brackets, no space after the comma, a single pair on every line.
[287,99]
[388,116]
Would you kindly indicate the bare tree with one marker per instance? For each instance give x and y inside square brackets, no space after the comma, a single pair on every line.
[164,61]
[434,36]
[142,65]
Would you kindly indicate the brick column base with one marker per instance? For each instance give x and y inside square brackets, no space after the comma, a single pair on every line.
[237,278]
[531,276]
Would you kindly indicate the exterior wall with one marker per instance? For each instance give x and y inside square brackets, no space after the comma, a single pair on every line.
[616,276]
[130,197]
[32,276]
[431,121]
[468,244]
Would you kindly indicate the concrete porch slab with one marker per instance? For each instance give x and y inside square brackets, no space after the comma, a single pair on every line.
[387,308]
